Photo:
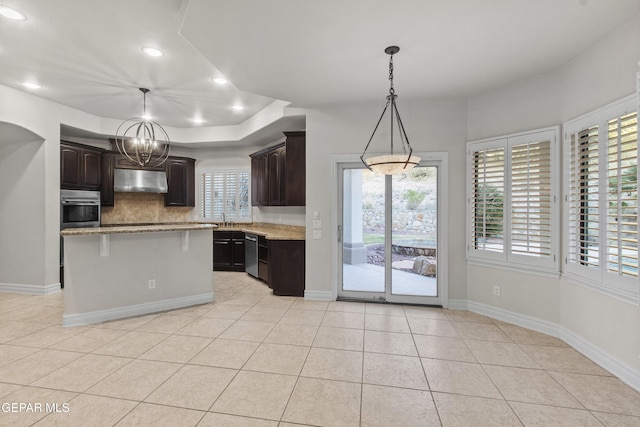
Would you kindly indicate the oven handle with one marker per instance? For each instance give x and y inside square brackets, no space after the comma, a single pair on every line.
[80,202]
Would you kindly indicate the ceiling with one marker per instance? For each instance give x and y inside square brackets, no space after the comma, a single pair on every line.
[86,54]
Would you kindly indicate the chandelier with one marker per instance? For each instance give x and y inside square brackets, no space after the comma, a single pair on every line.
[136,139]
[399,158]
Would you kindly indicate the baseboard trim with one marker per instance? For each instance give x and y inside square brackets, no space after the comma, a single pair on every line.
[30,289]
[134,310]
[318,295]
[523,320]
[617,367]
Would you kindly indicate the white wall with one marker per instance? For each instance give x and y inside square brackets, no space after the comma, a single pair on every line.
[432,125]
[598,76]
[22,255]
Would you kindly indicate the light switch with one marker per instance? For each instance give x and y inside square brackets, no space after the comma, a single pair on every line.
[317,234]
[317,224]
[316,214]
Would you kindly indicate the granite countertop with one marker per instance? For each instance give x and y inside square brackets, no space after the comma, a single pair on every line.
[269,231]
[134,228]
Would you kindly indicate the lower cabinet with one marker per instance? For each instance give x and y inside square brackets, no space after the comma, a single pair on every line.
[263,260]
[228,251]
[286,267]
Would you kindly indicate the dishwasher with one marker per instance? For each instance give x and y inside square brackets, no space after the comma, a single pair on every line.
[251,254]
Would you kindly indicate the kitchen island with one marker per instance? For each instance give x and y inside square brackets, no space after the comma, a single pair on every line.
[116,272]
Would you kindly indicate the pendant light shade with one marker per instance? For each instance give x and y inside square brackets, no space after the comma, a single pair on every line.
[399,157]
[141,140]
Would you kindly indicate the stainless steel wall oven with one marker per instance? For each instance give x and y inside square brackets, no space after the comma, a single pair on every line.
[79,208]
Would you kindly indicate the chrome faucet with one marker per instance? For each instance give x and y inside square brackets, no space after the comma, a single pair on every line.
[226,223]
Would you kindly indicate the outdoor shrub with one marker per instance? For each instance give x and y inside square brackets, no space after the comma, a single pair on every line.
[413,198]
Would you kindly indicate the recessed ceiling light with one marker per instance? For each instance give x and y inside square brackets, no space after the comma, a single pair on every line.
[220,81]
[198,120]
[31,85]
[152,51]
[238,107]
[7,12]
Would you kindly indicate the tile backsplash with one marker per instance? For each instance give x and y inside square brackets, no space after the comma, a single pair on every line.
[143,208]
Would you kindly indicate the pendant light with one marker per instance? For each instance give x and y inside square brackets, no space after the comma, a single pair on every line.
[400,157]
[136,139]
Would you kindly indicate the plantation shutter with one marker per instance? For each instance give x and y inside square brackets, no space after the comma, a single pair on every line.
[226,192]
[584,200]
[531,202]
[207,195]
[487,204]
[230,196]
[622,196]
[243,195]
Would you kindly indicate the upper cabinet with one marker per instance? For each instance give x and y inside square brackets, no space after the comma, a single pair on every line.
[277,162]
[107,197]
[80,167]
[83,167]
[278,173]
[181,182]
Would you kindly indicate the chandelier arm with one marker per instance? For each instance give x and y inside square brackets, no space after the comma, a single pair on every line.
[403,135]
[122,141]
[376,128]
[402,127]
[162,157]
[142,141]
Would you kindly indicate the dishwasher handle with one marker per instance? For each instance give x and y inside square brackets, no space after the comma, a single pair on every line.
[251,238]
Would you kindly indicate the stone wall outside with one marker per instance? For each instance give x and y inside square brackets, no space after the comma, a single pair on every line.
[409,221]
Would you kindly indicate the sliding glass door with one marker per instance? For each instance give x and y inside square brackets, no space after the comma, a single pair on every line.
[389,234]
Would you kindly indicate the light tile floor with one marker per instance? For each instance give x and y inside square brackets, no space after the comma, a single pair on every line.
[252,359]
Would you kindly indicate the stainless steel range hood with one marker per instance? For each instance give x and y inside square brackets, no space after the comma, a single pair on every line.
[137,180]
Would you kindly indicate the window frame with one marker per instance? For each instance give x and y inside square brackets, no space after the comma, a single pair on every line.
[226,173]
[547,265]
[625,288]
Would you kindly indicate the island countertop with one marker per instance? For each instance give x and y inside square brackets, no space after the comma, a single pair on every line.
[128,229]
[269,231]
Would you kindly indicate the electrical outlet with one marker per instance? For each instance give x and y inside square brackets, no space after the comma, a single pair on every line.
[152,284]
[496,290]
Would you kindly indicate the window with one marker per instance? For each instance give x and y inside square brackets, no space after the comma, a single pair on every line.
[602,199]
[513,212]
[226,192]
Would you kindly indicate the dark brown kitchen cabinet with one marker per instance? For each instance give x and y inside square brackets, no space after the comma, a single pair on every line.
[107,197]
[228,251]
[278,173]
[276,161]
[80,167]
[286,267]
[181,182]
[263,260]
[260,180]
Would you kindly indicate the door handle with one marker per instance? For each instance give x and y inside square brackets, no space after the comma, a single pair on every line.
[339,233]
